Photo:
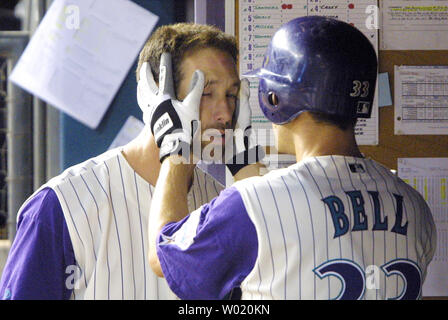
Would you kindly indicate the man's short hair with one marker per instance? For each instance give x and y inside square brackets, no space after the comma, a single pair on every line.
[342,122]
[178,39]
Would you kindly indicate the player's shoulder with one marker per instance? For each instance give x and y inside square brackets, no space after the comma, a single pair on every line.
[40,206]
[99,163]
[403,187]
[229,198]
[102,160]
[269,179]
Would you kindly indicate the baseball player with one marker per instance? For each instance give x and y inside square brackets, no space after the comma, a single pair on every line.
[83,235]
[335,225]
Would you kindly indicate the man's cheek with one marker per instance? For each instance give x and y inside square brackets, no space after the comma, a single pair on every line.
[204,116]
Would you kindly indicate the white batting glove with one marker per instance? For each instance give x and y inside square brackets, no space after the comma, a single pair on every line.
[246,150]
[148,95]
[173,123]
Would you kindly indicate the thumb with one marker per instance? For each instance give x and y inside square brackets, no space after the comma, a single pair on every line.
[243,112]
[193,98]
[146,81]
[244,89]
[166,83]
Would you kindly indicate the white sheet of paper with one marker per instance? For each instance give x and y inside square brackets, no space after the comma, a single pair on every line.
[429,176]
[130,130]
[78,68]
[258,21]
[414,25]
[421,100]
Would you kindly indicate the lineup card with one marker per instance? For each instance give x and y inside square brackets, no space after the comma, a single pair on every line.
[421,100]
[258,21]
[429,176]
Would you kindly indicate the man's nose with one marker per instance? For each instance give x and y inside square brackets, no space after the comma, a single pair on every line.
[224,111]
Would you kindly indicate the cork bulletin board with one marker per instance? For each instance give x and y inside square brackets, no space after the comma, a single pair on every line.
[390,146]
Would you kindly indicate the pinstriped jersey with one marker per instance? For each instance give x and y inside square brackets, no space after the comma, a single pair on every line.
[335,227]
[106,206]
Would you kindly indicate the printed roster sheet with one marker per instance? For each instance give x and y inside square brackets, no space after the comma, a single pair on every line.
[429,176]
[258,21]
[421,100]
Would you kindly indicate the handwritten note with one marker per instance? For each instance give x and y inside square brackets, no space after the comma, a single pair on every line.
[259,19]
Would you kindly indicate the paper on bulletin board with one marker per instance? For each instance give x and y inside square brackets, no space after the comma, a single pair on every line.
[130,130]
[414,25]
[81,53]
[429,176]
[421,100]
[258,21]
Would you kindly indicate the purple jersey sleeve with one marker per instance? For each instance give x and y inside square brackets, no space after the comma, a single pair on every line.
[40,253]
[223,251]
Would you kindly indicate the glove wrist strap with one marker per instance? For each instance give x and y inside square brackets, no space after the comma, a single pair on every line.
[175,147]
[165,121]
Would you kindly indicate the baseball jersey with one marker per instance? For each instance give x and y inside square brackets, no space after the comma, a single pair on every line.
[329,227]
[102,205]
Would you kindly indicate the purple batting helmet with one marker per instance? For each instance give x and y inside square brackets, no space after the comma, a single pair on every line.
[317,64]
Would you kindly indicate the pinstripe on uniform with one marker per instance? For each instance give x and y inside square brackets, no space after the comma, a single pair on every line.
[106,206]
[296,229]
